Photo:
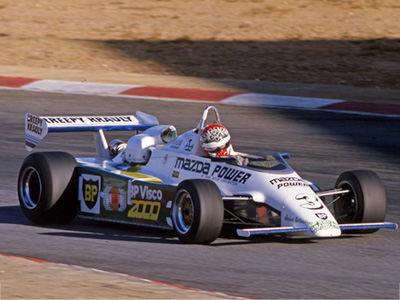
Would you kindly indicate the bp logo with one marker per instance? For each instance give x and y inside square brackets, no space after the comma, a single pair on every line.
[89,193]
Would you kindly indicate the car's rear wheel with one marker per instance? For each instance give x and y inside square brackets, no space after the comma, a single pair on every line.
[365,202]
[197,211]
[46,188]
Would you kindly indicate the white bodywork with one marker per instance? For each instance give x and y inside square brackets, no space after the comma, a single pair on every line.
[283,190]
[158,152]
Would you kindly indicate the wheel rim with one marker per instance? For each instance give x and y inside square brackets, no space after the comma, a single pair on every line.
[346,207]
[30,188]
[183,212]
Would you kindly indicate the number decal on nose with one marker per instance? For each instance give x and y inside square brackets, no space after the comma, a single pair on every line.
[310,201]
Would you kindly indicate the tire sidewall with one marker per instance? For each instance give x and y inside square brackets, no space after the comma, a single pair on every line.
[208,211]
[349,179]
[45,202]
[370,195]
[55,170]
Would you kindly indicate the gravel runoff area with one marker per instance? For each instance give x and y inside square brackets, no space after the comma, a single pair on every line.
[345,42]
[22,278]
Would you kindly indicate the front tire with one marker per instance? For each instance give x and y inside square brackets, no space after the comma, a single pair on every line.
[366,201]
[197,211]
[46,187]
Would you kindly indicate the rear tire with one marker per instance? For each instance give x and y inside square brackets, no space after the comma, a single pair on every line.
[197,211]
[47,189]
[366,201]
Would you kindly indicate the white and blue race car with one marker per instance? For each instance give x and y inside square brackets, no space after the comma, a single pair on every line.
[159,179]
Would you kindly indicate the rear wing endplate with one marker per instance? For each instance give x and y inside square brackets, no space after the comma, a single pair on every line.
[36,128]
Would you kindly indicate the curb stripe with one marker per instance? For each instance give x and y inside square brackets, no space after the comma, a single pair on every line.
[265,100]
[179,93]
[15,82]
[25,257]
[60,86]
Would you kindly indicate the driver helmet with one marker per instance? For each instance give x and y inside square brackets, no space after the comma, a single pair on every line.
[115,147]
[216,140]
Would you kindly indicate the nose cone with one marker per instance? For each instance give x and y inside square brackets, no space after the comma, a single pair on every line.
[302,208]
[325,228]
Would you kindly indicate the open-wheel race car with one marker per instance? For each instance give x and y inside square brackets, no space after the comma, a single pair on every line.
[162,180]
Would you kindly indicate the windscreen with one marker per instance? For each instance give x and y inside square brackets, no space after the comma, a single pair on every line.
[268,162]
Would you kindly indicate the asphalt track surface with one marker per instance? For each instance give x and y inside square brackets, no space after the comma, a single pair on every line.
[322,145]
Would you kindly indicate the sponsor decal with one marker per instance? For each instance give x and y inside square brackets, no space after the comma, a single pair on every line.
[145,202]
[309,201]
[290,218]
[219,172]
[230,174]
[64,120]
[89,193]
[34,124]
[284,182]
[319,225]
[109,119]
[175,174]
[192,165]
[322,216]
[83,120]
[143,192]
[147,210]
[114,199]
[189,146]
[176,144]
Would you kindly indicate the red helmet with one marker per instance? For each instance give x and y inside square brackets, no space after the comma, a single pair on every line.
[216,140]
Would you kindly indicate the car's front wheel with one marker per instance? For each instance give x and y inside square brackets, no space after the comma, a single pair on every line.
[197,211]
[365,202]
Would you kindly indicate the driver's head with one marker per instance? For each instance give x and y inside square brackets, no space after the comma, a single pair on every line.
[216,140]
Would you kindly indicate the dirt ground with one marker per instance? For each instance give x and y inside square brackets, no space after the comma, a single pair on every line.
[21,278]
[347,42]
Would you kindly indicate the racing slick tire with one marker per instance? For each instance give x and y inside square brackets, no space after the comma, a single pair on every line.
[197,211]
[366,201]
[47,190]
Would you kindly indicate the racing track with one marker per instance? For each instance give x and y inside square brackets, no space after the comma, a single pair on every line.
[322,145]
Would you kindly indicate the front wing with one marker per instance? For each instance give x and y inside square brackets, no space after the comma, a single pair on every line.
[290,229]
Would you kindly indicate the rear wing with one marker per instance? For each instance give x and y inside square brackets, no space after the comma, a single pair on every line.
[36,128]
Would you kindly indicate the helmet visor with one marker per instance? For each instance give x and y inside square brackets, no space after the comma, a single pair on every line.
[217,149]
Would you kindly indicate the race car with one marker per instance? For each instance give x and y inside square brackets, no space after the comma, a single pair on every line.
[162,180]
